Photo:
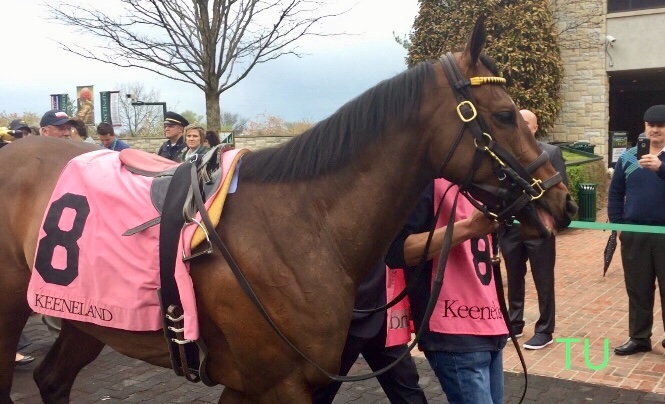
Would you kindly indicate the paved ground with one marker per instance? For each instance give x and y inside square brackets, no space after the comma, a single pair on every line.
[593,308]
[115,378]
[589,306]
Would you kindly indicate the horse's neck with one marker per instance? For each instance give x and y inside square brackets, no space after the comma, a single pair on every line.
[368,202]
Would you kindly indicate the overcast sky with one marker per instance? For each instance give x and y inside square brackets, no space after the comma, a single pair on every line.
[334,70]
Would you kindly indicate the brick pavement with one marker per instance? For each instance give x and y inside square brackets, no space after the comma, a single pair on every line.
[588,307]
[595,308]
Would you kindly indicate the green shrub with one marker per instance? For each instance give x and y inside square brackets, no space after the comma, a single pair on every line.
[522,38]
[576,175]
[593,172]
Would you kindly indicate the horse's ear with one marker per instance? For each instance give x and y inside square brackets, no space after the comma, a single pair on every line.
[476,42]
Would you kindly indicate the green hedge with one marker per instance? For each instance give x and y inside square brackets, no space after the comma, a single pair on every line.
[595,172]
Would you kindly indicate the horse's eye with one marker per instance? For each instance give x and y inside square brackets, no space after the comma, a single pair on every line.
[505,117]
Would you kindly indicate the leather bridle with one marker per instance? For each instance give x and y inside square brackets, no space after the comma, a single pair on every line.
[518,187]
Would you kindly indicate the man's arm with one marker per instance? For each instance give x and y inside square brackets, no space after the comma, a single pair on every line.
[407,248]
[419,220]
[556,158]
[474,226]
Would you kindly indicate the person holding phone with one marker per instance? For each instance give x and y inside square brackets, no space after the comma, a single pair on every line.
[643,147]
[636,196]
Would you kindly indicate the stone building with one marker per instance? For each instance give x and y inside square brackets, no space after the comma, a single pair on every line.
[615,68]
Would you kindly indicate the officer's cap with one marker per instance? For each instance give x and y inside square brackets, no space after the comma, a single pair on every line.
[174,118]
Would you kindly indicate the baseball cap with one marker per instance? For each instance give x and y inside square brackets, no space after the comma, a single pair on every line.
[55,118]
[655,114]
[17,124]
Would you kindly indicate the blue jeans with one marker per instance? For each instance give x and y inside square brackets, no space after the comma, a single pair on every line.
[469,377]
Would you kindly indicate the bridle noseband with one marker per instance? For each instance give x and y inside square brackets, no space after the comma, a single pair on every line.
[519,187]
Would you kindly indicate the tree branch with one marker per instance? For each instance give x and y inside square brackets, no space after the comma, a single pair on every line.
[193,41]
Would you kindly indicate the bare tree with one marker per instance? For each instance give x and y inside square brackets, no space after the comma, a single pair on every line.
[579,23]
[233,122]
[140,120]
[273,125]
[210,44]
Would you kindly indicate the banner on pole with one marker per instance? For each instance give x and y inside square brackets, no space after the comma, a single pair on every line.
[85,105]
[59,101]
[110,107]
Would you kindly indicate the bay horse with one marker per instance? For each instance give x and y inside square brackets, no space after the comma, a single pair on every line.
[307,222]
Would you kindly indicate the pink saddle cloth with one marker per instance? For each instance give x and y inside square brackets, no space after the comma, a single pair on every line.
[85,269]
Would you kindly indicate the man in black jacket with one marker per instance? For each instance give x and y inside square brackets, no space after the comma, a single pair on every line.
[367,336]
[541,254]
[174,126]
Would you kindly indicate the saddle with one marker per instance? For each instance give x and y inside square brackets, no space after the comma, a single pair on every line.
[162,170]
[171,193]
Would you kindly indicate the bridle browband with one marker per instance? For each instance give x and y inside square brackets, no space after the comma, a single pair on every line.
[518,188]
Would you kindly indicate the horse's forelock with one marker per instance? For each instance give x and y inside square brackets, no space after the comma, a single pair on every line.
[331,143]
[489,63]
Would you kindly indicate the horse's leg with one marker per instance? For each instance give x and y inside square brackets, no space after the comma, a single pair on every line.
[230,396]
[11,325]
[73,350]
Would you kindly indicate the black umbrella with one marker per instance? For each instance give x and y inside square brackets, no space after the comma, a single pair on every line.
[609,250]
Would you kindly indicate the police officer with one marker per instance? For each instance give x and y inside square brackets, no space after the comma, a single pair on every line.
[174,125]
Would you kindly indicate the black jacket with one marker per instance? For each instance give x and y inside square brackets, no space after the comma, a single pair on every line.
[171,151]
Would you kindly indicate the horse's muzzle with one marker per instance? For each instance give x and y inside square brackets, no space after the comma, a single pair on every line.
[571,210]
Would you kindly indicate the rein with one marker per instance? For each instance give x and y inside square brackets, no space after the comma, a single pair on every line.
[247,288]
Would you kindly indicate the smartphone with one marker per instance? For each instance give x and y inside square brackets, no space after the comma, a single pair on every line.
[643,146]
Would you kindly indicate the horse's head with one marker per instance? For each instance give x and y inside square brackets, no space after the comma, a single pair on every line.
[492,155]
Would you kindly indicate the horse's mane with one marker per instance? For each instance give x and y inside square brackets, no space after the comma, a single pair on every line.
[331,143]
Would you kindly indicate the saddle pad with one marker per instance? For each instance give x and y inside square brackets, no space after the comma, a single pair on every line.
[84,269]
[192,235]
[215,202]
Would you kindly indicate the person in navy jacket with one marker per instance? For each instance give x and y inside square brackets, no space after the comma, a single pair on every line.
[636,196]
